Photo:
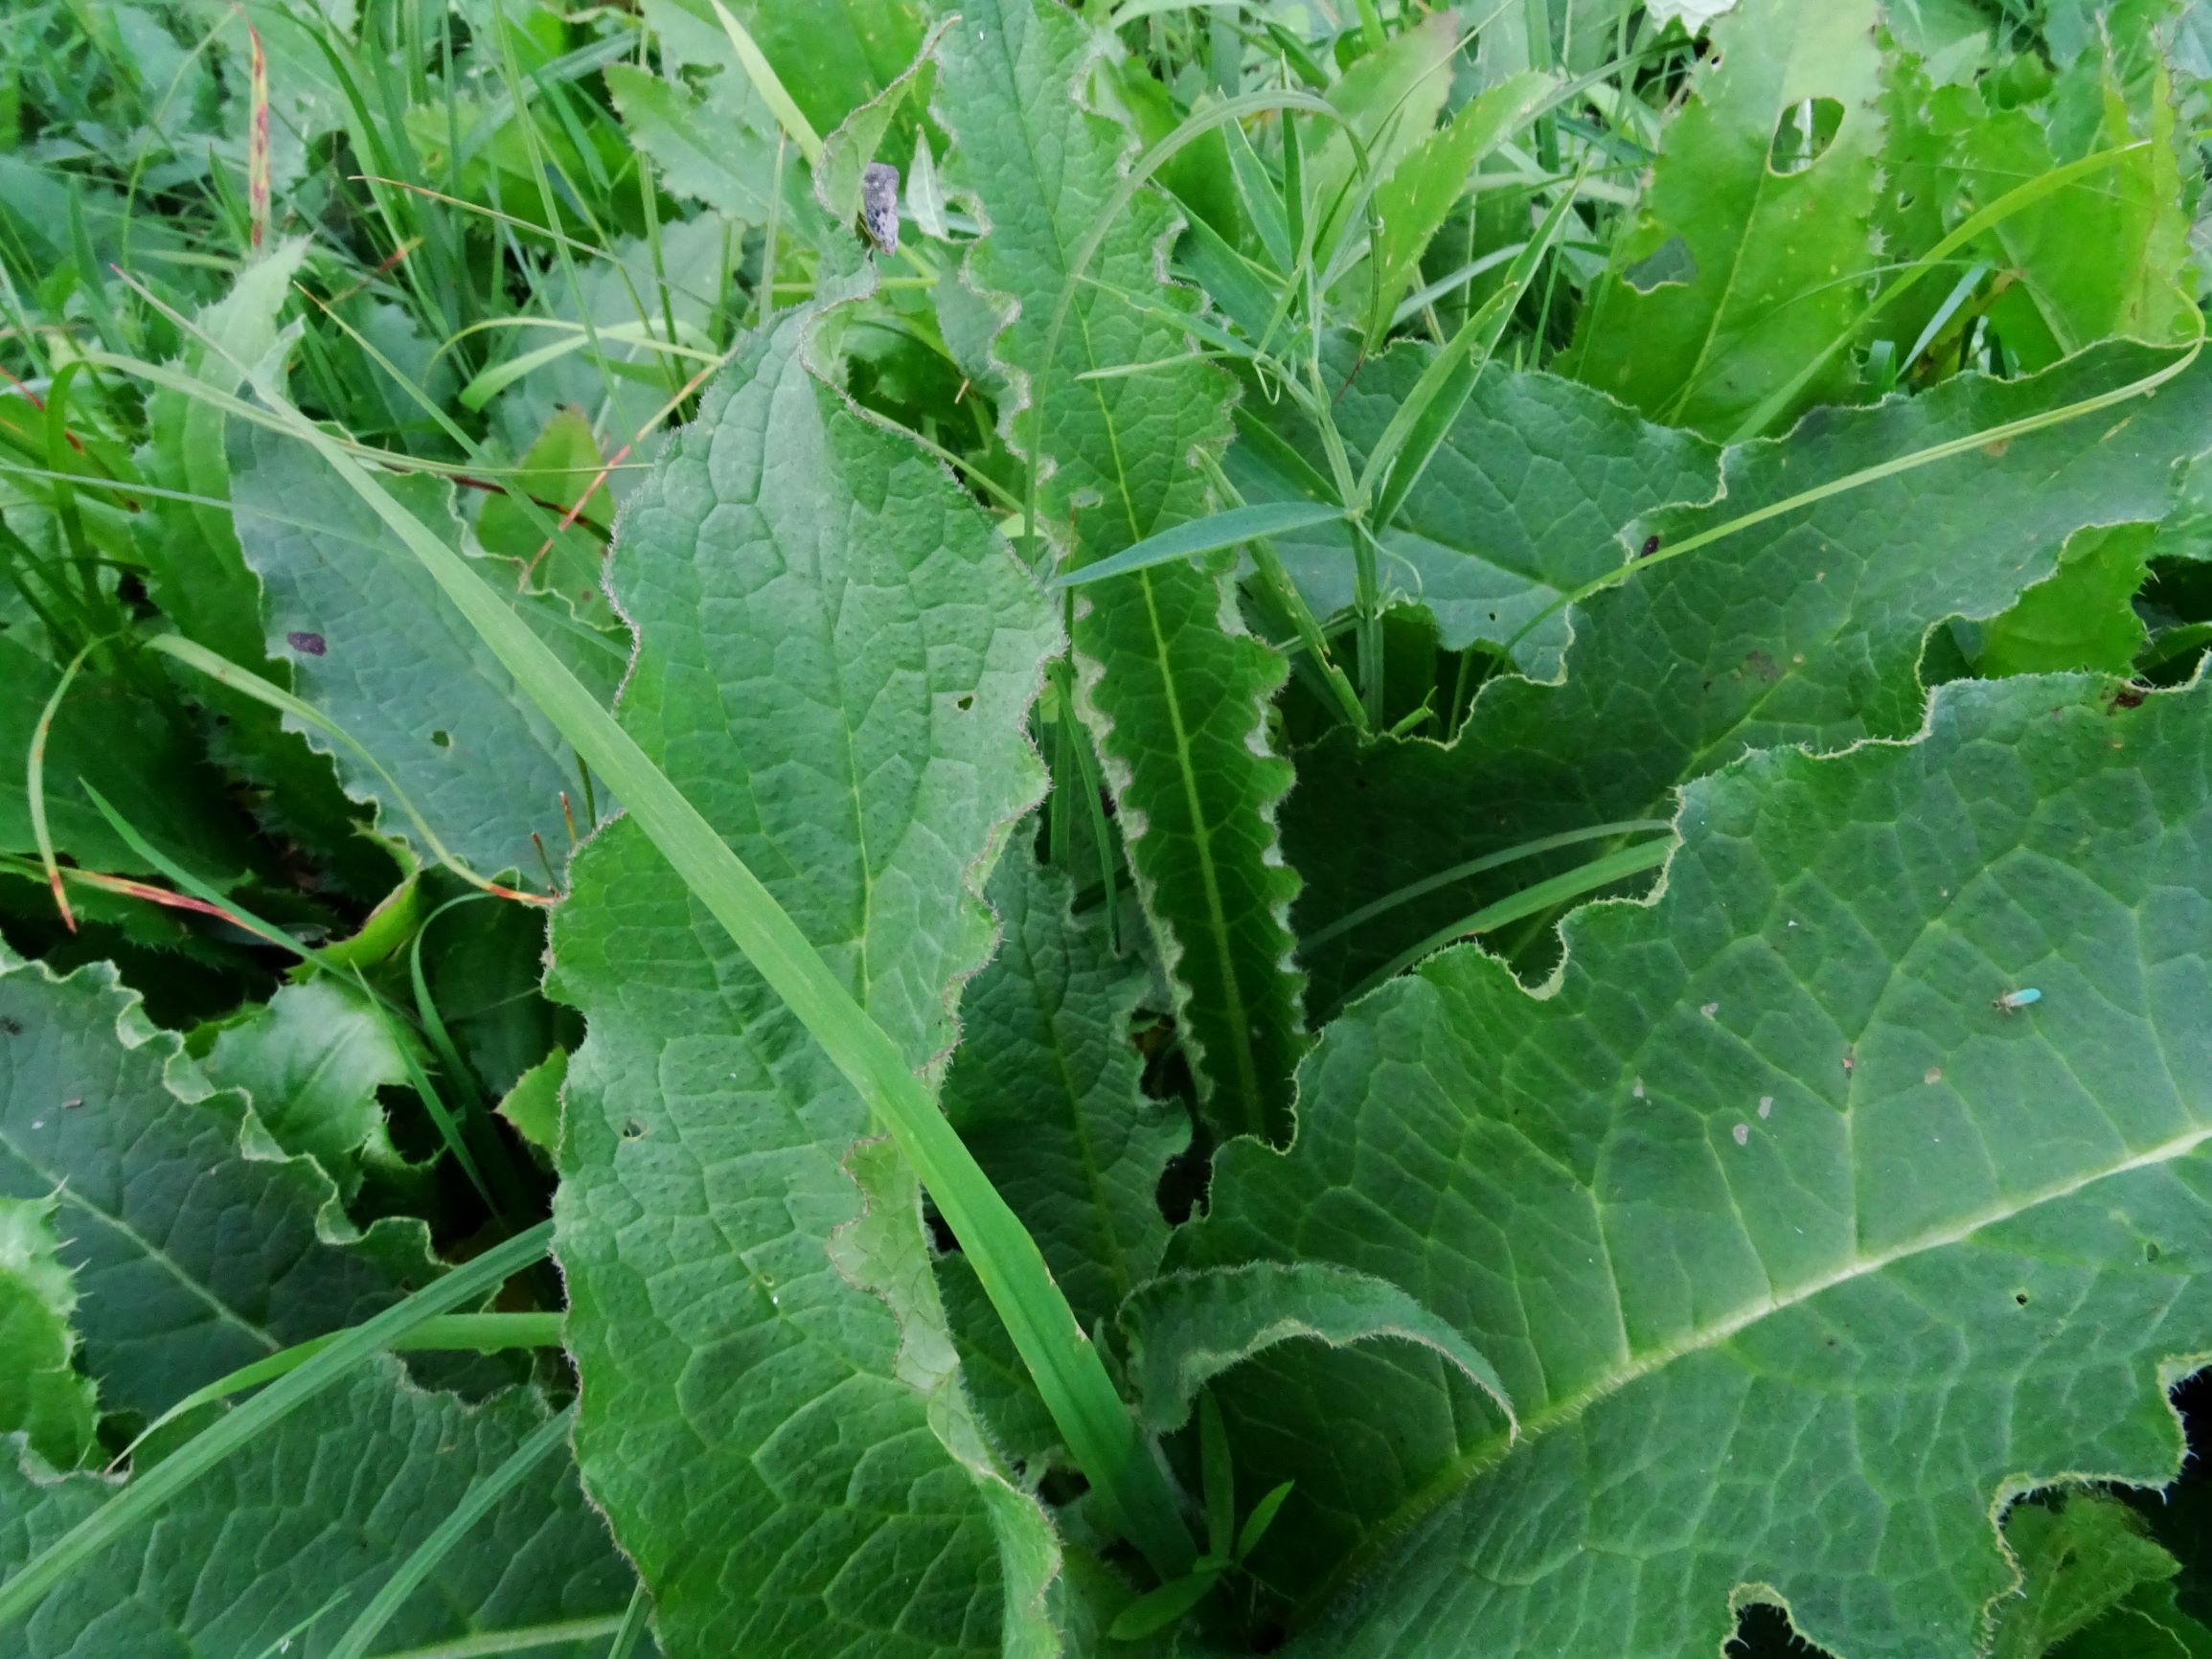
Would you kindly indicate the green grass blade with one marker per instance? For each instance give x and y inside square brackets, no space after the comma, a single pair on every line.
[1405,894]
[35,784]
[140,1500]
[1559,888]
[1203,535]
[780,102]
[447,1334]
[1411,441]
[448,1532]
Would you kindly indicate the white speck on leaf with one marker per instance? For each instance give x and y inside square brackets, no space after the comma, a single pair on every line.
[1742,1134]
[1765,1105]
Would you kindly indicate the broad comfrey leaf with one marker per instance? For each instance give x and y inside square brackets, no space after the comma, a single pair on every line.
[1800,1233]
[1171,684]
[196,1247]
[835,656]
[1804,627]
[276,1549]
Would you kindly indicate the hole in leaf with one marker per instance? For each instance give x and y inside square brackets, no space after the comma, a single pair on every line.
[2020,1297]
[2150,1251]
[632,1129]
[1061,1486]
[1764,1632]
[1672,267]
[966,702]
[941,1237]
[443,739]
[1803,135]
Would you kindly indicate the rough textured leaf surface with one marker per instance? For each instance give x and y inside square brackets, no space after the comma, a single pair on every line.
[1804,628]
[1173,685]
[1045,1091]
[195,1250]
[374,645]
[1523,503]
[278,1548]
[836,656]
[1765,1208]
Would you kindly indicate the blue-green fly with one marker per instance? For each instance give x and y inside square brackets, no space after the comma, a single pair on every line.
[2013,1001]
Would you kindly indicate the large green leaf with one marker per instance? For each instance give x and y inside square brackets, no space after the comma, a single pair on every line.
[196,1247]
[1045,1091]
[1172,686]
[1795,1251]
[1519,506]
[1743,263]
[42,1397]
[834,658]
[372,646]
[281,1546]
[1804,629]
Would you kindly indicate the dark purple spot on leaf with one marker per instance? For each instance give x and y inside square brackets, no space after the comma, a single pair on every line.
[307,644]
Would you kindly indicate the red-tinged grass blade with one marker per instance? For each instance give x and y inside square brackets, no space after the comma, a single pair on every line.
[258,136]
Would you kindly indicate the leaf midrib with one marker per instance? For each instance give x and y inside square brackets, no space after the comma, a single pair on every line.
[1202,830]
[73,1197]
[1455,1476]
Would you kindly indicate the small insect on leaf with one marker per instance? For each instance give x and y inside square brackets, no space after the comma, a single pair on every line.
[879,205]
[2013,1001]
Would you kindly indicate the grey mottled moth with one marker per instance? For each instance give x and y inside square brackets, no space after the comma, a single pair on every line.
[879,205]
